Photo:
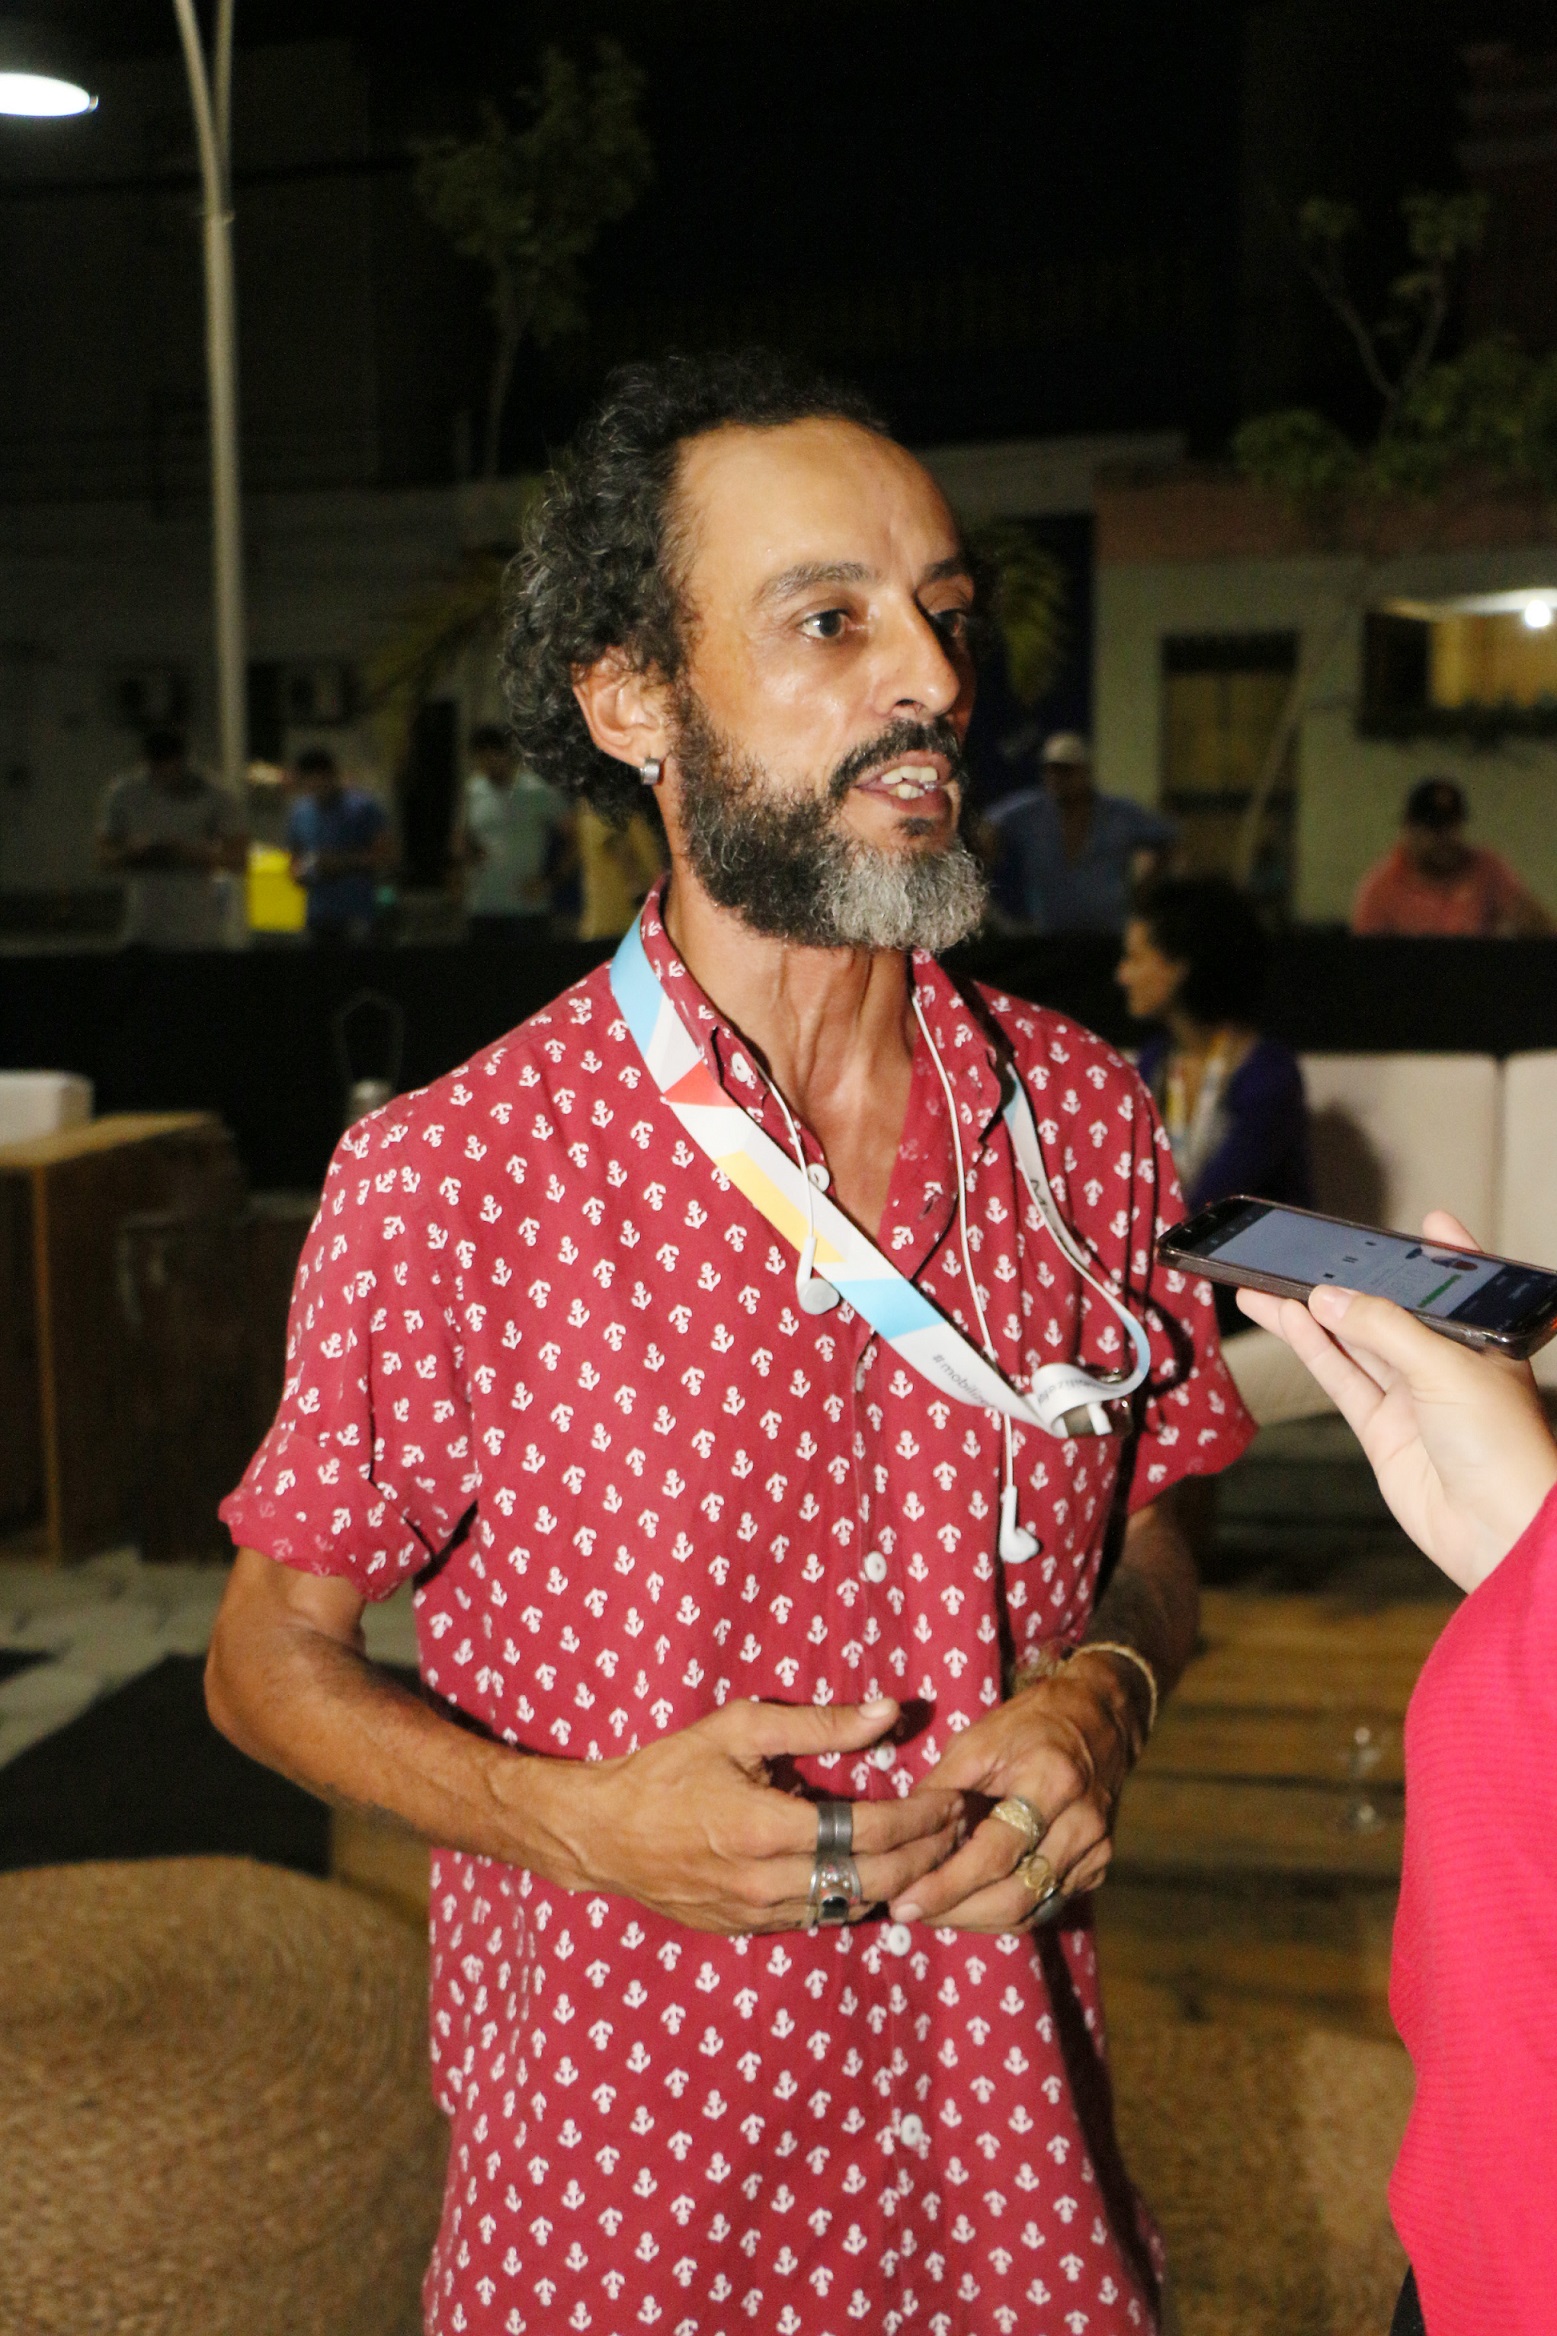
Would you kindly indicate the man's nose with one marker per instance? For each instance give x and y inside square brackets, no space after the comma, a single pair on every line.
[918,668]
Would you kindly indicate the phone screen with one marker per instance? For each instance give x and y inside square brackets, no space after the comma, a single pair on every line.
[1479,1292]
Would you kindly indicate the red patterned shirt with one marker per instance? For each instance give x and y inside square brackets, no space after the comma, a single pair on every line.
[545,1358]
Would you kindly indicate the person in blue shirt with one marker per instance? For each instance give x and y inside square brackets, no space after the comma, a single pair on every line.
[1232,1101]
[1069,858]
[338,837]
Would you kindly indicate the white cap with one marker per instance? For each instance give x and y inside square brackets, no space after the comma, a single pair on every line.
[1066,746]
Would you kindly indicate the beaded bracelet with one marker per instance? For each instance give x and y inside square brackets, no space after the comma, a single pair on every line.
[1050,1661]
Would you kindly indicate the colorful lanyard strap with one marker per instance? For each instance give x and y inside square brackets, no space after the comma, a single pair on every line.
[896,1309]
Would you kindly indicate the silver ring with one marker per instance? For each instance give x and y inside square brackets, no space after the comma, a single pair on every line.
[835,1890]
[834,1828]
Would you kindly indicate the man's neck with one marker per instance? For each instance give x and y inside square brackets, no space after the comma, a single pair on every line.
[824,1021]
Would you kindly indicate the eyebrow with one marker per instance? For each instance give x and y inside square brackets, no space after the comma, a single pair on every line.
[807,574]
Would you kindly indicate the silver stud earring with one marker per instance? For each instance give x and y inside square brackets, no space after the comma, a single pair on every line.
[651,772]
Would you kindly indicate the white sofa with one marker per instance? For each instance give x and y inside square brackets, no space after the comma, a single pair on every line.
[41,1103]
[1397,1134]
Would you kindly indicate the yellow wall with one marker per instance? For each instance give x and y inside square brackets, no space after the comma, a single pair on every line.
[1350,789]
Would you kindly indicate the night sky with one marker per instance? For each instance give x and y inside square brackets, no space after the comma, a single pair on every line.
[1004,219]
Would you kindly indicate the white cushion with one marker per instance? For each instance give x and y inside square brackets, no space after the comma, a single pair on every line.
[1395,1135]
[1527,1196]
[1274,1385]
[40,1103]
[1392,1135]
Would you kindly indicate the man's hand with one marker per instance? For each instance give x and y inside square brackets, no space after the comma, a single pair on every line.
[691,1826]
[1065,1745]
[1458,1441]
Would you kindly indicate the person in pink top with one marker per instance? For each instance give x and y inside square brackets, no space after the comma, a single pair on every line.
[1462,1452]
[1434,885]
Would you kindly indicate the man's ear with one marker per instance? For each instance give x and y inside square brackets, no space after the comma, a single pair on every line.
[626,711]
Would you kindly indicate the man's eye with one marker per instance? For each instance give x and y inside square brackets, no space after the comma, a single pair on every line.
[953,623]
[826,625]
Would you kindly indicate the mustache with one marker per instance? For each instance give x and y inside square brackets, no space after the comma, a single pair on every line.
[899,738]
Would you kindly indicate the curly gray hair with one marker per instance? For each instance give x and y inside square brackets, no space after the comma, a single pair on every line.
[597,568]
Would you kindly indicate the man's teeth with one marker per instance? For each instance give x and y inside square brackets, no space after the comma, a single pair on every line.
[909,783]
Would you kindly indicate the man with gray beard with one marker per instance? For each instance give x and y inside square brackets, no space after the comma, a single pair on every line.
[759,1363]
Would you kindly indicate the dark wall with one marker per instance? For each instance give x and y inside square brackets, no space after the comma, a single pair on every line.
[252,1036]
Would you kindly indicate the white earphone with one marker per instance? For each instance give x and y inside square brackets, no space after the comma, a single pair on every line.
[814,1294]
[1055,1387]
[1057,1390]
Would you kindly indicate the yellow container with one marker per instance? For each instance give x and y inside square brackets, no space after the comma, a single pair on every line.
[276,903]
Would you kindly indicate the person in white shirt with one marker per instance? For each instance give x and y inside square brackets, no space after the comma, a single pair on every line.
[510,822]
[179,841]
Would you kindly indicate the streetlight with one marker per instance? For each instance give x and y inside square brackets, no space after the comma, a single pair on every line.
[210,95]
[37,82]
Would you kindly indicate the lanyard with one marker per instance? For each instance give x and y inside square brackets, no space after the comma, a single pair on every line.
[896,1309]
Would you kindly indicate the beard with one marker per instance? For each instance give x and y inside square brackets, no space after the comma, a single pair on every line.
[790,870]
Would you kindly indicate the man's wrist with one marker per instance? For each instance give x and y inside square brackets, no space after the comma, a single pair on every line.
[1134,1686]
[1123,1672]
[535,1801]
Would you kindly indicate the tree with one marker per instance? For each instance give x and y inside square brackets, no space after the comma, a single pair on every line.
[530,203]
[1448,427]
[1029,605]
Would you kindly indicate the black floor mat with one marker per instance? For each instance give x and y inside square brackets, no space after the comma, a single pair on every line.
[144,1774]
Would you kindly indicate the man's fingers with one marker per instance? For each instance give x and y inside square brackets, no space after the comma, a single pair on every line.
[1074,1843]
[881,1826]
[786,1826]
[991,1852]
[770,1885]
[763,1731]
[883,1879]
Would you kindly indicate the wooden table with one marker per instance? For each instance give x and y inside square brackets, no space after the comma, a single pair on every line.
[67,1414]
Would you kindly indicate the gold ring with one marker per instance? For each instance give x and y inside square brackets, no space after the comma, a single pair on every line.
[1036,1874]
[1022,1817]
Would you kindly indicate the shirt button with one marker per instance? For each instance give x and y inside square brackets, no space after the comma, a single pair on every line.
[874,1566]
[817,1171]
[911,2130]
[897,1938]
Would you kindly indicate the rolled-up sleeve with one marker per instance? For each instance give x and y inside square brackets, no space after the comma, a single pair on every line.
[367,1471]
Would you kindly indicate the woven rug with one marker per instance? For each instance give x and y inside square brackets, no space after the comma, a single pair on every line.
[1264,2155]
[214,2107]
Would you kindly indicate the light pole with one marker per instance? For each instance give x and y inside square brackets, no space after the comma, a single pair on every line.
[210,95]
[36,80]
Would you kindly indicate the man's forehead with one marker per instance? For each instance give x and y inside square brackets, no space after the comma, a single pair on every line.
[815,499]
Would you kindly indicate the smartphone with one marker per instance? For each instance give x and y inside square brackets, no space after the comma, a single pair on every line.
[1480,1300]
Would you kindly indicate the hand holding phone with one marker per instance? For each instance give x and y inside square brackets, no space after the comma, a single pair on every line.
[1455,1287]
[1458,1441]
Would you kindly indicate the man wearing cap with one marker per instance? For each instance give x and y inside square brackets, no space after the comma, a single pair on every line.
[691,1350]
[1070,857]
[1434,885]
